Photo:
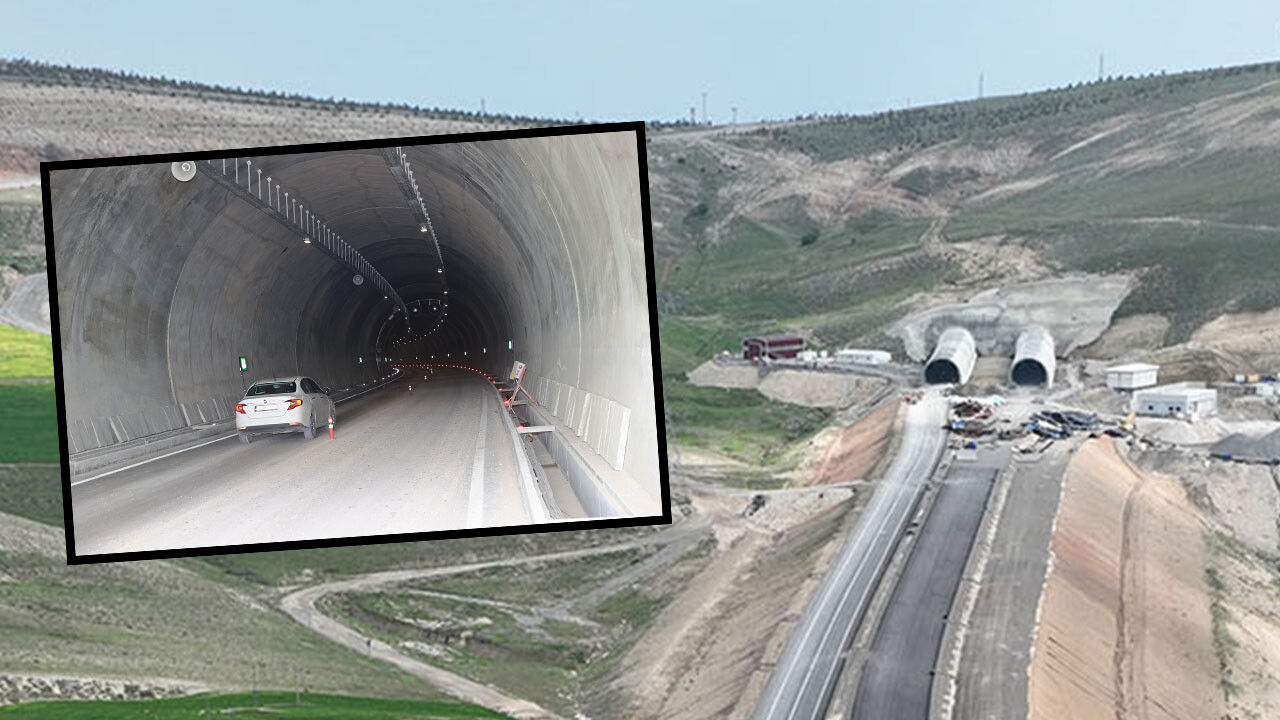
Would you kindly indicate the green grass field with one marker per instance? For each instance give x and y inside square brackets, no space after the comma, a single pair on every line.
[28,424]
[25,354]
[259,705]
[32,491]
[742,424]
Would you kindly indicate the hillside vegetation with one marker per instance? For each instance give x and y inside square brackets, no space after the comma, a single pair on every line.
[250,706]
[835,227]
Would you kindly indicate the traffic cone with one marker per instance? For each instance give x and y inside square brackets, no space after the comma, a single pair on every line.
[330,427]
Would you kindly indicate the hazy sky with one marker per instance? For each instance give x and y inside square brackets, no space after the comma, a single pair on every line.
[644,60]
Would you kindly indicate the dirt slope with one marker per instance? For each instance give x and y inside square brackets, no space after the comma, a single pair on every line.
[1125,628]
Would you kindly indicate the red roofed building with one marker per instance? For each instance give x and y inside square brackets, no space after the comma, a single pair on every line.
[784,345]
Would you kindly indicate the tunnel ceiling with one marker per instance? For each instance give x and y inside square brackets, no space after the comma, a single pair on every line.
[357,197]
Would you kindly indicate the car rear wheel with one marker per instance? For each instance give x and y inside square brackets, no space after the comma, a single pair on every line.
[244,437]
[309,432]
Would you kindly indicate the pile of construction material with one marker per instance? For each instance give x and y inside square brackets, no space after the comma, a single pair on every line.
[971,418]
[1249,448]
[1062,424]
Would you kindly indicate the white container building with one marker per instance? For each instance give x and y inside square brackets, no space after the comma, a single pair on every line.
[1132,376]
[855,356]
[1182,400]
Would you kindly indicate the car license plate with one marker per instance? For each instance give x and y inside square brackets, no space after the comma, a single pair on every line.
[263,408]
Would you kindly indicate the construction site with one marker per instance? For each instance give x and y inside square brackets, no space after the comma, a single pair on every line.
[1043,439]
[971,412]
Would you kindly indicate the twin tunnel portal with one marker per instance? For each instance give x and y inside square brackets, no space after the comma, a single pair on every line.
[359,267]
[955,355]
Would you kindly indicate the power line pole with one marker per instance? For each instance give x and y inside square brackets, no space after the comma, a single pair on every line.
[693,115]
[481,106]
[979,86]
[1099,67]
[734,109]
[704,107]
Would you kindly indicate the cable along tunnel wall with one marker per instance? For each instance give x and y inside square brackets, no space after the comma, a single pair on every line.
[163,284]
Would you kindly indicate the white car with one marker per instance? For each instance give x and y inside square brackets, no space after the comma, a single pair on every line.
[284,405]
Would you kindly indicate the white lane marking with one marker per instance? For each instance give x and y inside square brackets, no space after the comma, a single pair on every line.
[877,501]
[475,501]
[866,588]
[193,447]
[828,592]
[144,462]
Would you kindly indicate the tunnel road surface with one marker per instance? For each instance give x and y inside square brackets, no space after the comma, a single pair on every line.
[440,458]
[801,683]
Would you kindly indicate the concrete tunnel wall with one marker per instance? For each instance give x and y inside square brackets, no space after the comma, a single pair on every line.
[1033,358]
[953,358]
[163,284]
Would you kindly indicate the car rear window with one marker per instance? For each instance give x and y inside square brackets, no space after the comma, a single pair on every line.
[272,388]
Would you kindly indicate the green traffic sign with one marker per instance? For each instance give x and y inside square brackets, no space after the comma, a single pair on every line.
[244,363]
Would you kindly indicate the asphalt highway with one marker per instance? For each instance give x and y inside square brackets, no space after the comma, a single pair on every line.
[802,681]
[898,676]
[438,459]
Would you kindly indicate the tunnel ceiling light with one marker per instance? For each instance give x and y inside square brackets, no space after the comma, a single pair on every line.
[306,240]
[440,271]
[422,228]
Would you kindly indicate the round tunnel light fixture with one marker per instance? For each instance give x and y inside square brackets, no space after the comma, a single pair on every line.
[183,171]
[357,279]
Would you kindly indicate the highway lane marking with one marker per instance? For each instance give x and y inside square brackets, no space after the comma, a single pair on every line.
[828,593]
[862,599]
[193,447]
[844,597]
[879,501]
[144,462]
[475,500]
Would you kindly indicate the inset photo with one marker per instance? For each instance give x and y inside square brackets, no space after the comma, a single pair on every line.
[355,342]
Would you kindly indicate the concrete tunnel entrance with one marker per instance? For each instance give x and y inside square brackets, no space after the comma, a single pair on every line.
[1033,357]
[340,264]
[1029,372]
[953,358]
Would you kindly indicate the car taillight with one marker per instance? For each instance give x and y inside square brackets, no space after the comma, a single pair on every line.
[293,403]
[240,408]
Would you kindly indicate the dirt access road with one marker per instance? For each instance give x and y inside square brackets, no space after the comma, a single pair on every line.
[301,606]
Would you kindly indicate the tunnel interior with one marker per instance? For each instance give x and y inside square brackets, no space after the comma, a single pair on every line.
[1029,372]
[528,249]
[941,372]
